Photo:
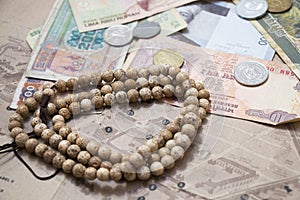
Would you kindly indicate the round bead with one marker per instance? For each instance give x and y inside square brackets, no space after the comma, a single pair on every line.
[38,96]
[137,160]
[16,117]
[143,73]
[191,100]
[23,110]
[164,80]
[75,108]
[144,150]
[92,147]
[58,125]
[199,86]
[60,103]
[38,129]
[106,164]
[57,118]
[46,134]
[164,151]
[182,76]
[107,76]
[72,137]
[191,118]
[115,157]
[63,146]
[64,131]
[133,95]
[120,75]
[186,84]
[35,121]
[95,78]
[47,85]
[129,84]
[154,81]
[145,94]
[65,113]
[72,84]
[70,98]
[170,144]
[184,141]
[86,105]
[173,127]
[83,95]
[54,140]
[90,173]
[157,92]
[204,103]
[51,109]
[21,139]
[95,162]
[179,91]
[104,152]
[131,73]
[61,86]
[168,91]
[16,131]
[109,99]
[49,155]
[84,81]
[14,124]
[189,130]
[31,103]
[97,101]
[202,113]
[191,92]
[154,70]
[177,152]
[30,144]
[40,149]
[49,92]
[141,82]
[58,161]
[128,170]
[82,142]
[78,170]
[121,97]
[173,71]
[152,144]
[103,174]
[154,158]
[115,173]
[159,140]
[164,69]
[117,86]
[157,168]
[168,161]
[166,134]
[83,157]
[68,165]
[97,92]
[73,150]
[143,173]
[189,108]
[203,94]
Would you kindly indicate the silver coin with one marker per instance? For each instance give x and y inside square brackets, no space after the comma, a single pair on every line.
[118,35]
[146,29]
[251,73]
[251,9]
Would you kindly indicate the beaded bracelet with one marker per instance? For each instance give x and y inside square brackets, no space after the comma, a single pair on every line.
[84,158]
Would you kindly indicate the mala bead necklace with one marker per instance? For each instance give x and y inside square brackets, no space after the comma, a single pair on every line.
[66,149]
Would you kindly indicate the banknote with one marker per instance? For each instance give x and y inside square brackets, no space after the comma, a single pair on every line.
[210,25]
[63,52]
[215,69]
[282,31]
[97,14]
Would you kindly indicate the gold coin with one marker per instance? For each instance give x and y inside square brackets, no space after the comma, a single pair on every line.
[168,57]
[278,6]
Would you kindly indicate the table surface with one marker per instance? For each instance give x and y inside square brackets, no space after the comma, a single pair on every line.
[246,160]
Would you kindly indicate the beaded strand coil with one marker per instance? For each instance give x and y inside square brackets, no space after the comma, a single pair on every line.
[66,149]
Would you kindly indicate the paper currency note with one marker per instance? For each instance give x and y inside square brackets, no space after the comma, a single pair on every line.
[97,14]
[211,25]
[282,32]
[263,103]
[63,52]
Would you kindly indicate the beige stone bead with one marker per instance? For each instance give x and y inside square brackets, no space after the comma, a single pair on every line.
[57,118]
[189,130]
[154,70]
[154,157]
[133,95]
[97,101]
[172,127]
[78,170]
[179,91]
[202,113]
[115,173]
[168,90]
[51,109]
[163,151]
[40,149]
[95,78]
[184,141]
[157,92]
[90,173]
[103,174]
[144,150]
[82,142]
[143,173]
[182,76]
[192,83]
[191,118]
[167,161]
[16,117]
[95,92]
[68,165]
[121,97]
[94,162]
[23,111]
[117,86]
[106,164]
[46,134]
[54,140]
[73,150]
[186,84]
[141,82]
[63,146]
[38,96]
[152,144]
[129,84]
[204,93]
[164,69]
[157,168]
[49,92]
[177,152]
[176,135]
[137,160]
[109,99]
[190,108]
[60,103]
[58,161]
[159,139]
[21,139]
[16,131]
[38,129]
[70,98]
[178,120]
[31,103]
[47,85]
[65,113]
[83,157]
[128,170]
[92,147]
[72,137]
[35,121]
[104,152]
[154,81]
[86,105]
[37,113]
[143,72]
[57,126]
[115,157]
[173,71]
[64,131]
[191,92]
[164,80]
[126,157]
[74,108]
[191,100]
[107,76]
[166,134]
[199,85]
[61,86]
[131,73]
[83,81]
[72,84]
[170,144]
[14,124]
[49,155]
[83,95]
[204,103]
[120,75]
[145,94]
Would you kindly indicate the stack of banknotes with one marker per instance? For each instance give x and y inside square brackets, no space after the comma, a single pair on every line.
[210,36]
